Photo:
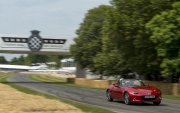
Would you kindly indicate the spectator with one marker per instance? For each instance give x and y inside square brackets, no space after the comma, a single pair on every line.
[179,79]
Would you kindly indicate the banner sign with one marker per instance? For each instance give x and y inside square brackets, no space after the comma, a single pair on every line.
[14,45]
[34,42]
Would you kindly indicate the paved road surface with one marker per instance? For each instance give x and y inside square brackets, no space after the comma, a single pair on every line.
[95,97]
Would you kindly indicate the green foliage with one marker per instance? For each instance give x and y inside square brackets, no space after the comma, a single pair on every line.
[3,60]
[109,63]
[33,58]
[18,61]
[124,30]
[165,33]
[116,40]
[55,58]
[88,43]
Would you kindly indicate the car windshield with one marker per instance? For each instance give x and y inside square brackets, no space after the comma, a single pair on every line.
[132,82]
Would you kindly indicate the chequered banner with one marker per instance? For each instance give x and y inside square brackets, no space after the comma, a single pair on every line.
[24,40]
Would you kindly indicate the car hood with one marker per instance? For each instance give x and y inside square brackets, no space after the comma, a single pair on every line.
[145,88]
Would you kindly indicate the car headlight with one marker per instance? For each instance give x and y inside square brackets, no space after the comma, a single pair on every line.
[135,92]
[158,92]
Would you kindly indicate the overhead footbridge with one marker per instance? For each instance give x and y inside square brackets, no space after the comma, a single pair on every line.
[35,43]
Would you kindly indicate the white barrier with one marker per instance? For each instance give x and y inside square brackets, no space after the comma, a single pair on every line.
[56,74]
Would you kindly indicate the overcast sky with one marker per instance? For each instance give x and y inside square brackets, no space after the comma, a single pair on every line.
[51,17]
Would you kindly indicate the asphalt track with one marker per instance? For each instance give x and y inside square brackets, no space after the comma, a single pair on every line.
[95,97]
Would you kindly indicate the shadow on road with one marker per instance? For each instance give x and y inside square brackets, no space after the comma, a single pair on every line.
[140,104]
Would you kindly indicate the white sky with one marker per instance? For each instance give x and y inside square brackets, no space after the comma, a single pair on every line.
[51,17]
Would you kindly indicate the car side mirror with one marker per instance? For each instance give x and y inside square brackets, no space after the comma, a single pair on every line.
[116,85]
[147,84]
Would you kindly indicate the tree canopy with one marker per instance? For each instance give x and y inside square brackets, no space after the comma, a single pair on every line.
[18,61]
[3,60]
[88,43]
[166,35]
[120,42]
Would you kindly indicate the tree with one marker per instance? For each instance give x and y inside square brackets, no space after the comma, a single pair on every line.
[119,43]
[55,58]
[3,60]
[13,61]
[18,61]
[33,58]
[88,42]
[124,30]
[109,61]
[166,35]
[21,60]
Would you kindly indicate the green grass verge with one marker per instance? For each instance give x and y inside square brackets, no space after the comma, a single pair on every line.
[4,76]
[57,80]
[83,107]
[171,97]
[62,81]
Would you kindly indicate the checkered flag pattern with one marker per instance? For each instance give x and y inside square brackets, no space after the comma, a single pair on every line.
[35,43]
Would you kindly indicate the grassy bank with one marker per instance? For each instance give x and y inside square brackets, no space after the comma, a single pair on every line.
[171,97]
[56,80]
[62,81]
[85,108]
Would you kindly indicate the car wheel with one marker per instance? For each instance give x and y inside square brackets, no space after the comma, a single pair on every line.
[127,99]
[156,103]
[108,94]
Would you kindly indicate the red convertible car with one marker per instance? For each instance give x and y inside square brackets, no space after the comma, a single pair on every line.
[133,91]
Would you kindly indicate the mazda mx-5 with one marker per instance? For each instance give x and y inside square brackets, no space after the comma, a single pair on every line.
[133,91]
